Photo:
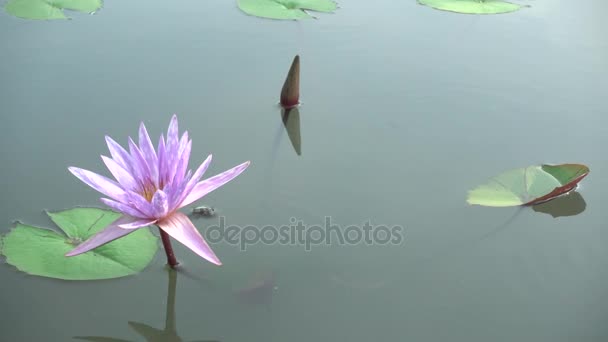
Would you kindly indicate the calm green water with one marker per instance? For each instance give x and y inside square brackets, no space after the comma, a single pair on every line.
[404,110]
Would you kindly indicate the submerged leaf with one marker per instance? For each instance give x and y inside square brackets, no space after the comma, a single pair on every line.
[49,9]
[472,6]
[285,9]
[530,185]
[42,252]
[258,290]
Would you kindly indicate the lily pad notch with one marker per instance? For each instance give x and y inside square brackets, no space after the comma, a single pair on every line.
[528,186]
[50,9]
[286,9]
[472,6]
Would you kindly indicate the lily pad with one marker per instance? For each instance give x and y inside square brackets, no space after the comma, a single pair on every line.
[472,6]
[49,9]
[285,9]
[41,252]
[527,186]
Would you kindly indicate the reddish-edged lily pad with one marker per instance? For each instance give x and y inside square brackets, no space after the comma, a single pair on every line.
[529,185]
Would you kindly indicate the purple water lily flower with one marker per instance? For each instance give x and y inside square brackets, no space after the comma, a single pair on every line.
[149,189]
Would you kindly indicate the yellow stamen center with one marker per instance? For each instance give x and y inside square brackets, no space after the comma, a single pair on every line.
[148,191]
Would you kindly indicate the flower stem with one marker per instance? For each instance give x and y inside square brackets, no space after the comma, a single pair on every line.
[168,249]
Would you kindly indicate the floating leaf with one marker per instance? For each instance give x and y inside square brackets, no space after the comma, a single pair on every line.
[49,9]
[42,252]
[530,185]
[472,6]
[285,9]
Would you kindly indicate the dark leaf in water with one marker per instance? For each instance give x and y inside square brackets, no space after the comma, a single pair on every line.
[152,334]
[290,94]
[259,291]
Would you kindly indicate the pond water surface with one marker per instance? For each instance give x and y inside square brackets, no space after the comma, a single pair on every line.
[404,109]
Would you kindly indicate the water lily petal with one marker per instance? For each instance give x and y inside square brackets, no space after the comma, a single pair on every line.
[171,149]
[123,208]
[181,229]
[139,166]
[198,174]
[145,144]
[137,224]
[171,192]
[185,146]
[110,233]
[100,183]
[162,162]
[172,135]
[191,183]
[140,203]
[122,176]
[160,204]
[177,193]
[119,154]
[206,186]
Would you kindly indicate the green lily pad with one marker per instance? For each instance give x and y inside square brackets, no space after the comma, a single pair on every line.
[41,252]
[527,186]
[285,9]
[472,6]
[49,9]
